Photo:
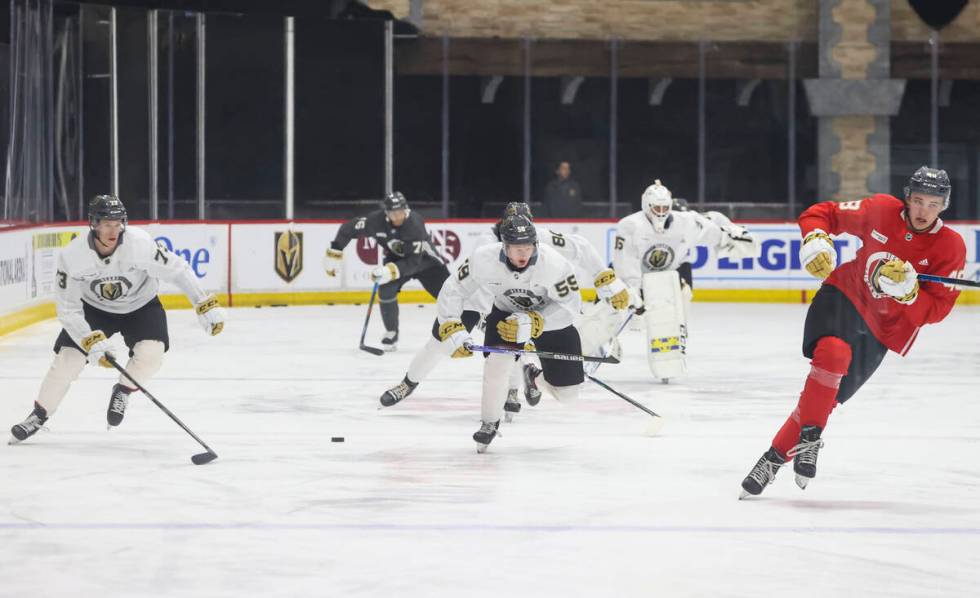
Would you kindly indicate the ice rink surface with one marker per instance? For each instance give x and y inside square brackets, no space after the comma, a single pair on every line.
[571,500]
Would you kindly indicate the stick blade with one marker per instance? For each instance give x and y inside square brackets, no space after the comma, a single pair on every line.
[372,350]
[202,458]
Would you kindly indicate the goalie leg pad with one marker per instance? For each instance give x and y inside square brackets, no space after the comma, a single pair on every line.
[597,325]
[145,362]
[67,365]
[666,323]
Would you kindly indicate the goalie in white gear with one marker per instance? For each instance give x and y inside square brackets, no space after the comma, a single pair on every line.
[652,253]
[574,248]
[107,282]
[535,300]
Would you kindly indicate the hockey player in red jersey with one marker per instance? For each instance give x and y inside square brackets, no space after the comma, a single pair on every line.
[864,307]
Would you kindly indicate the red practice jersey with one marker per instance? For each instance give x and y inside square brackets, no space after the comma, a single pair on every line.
[879,221]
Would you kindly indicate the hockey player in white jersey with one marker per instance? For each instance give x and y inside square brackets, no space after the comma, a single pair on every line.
[651,254]
[535,300]
[107,282]
[574,248]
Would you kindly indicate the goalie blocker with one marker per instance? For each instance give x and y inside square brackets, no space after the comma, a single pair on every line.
[666,324]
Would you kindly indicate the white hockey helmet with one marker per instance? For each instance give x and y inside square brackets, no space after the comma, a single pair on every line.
[657,203]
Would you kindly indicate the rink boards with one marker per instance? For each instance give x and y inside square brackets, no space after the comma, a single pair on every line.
[278,262]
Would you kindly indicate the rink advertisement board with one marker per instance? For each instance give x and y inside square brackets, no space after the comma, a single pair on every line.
[281,262]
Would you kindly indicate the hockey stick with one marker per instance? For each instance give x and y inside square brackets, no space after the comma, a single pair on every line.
[947,280]
[541,354]
[622,396]
[200,458]
[615,336]
[367,318]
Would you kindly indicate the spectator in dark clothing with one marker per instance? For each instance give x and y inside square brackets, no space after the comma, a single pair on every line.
[562,197]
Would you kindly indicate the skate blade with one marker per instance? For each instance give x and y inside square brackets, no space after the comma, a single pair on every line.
[13,440]
[508,417]
[390,348]
[743,494]
[481,448]
[802,481]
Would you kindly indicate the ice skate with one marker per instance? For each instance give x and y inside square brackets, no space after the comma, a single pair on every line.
[763,474]
[531,392]
[117,405]
[389,342]
[512,406]
[805,455]
[485,435]
[28,427]
[398,392]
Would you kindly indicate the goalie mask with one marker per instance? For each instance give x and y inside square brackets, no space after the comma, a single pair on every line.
[657,204]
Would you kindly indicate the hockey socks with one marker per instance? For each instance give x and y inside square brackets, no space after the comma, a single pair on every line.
[831,359]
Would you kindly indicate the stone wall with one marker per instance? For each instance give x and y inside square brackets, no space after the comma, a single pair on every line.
[659,20]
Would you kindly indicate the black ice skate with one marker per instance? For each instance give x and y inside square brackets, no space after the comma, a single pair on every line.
[512,406]
[28,427]
[531,392]
[805,455]
[389,342]
[117,405]
[762,474]
[398,392]
[486,434]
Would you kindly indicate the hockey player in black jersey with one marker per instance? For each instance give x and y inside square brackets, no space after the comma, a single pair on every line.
[408,254]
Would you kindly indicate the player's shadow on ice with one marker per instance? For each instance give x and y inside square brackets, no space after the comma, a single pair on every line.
[882,506]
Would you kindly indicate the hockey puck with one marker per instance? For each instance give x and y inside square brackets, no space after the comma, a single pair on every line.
[336,439]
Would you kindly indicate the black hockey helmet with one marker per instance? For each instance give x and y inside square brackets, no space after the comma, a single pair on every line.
[680,204]
[929,181]
[395,201]
[517,207]
[518,230]
[106,207]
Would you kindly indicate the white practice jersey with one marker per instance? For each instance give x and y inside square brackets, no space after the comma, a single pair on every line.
[640,249]
[121,283]
[548,286]
[574,248]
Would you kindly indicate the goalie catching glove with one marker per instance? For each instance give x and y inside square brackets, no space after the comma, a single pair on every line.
[98,347]
[607,286]
[211,315]
[817,254]
[897,279]
[332,262]
[454,333]
[521,327]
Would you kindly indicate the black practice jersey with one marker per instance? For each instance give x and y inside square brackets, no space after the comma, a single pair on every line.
[408,245]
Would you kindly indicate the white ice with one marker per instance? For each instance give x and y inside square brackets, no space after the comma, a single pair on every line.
[572,500]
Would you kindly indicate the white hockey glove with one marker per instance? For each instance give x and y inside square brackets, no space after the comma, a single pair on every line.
[817,254]
[607,286]
[211,315]
[333,261]
[521,327]
[98,347]
[738,243]
[454,333]
[897,279]
[384,274]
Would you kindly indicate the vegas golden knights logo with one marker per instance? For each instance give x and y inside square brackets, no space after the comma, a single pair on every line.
[110,291]
[289,255]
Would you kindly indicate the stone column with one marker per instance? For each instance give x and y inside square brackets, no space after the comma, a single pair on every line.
[854,98]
